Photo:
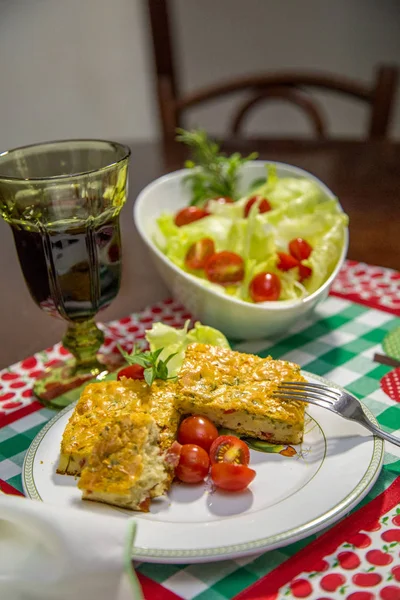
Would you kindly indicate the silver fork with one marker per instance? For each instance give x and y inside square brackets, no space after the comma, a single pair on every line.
[341,403]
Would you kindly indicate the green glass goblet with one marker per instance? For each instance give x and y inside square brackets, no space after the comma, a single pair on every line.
[62,201]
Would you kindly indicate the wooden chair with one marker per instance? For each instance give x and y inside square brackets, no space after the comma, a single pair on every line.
[292,87]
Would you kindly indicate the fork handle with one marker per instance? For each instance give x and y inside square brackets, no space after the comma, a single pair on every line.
[380,433]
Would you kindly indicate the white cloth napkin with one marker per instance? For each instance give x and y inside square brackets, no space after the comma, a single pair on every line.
[55,553]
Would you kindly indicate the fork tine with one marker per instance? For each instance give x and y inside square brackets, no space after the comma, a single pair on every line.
[310,383]
[302,398]
[302,395]
[314,386]
[304,388]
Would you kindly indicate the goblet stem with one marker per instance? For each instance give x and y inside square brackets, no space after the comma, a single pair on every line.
[83,340]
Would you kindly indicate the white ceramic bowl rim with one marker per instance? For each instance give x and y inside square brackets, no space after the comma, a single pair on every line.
[261,306]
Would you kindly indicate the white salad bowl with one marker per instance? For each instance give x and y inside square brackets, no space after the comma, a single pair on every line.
[236,318]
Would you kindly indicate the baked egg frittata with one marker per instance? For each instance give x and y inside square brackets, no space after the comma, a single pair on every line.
[126,467]
[120,432]
[234,390]
[100,402]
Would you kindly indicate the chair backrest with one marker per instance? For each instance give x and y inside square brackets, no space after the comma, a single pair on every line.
[292,87]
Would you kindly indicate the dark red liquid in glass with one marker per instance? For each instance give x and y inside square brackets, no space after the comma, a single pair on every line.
[72,272]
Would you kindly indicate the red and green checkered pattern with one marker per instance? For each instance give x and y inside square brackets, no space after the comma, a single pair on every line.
[339,343]
[340,346]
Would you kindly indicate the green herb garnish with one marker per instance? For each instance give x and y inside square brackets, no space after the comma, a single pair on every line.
[214,174]
[154,367]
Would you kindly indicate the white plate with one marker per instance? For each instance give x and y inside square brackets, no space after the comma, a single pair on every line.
[289,499]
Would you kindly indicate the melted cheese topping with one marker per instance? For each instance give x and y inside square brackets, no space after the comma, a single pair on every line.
[224,380]
[126,463]
[112,399]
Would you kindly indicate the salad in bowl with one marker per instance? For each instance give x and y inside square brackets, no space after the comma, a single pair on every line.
[231,232]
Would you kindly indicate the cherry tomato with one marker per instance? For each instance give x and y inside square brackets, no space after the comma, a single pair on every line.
[263,207]
[197,430]
[199,252]
[193,464]
[221,200]
[229,449]
[131,372]
[233,478]
[286,261]
[300,249]
[189,214]
[264,287]
[224,268]
[304,272]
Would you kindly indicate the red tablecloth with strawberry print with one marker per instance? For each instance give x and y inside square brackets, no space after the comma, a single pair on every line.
[356,559]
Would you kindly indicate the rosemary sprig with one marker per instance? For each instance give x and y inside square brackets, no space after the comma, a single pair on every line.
[214,174]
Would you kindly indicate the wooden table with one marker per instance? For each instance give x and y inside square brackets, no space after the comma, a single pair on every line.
[364,175]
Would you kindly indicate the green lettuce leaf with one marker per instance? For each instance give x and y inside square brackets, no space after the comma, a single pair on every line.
[291,288]
[325,254]
[175,341]
[176,241]
[251,238]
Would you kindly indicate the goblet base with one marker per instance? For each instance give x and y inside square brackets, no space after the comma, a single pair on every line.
[61,385]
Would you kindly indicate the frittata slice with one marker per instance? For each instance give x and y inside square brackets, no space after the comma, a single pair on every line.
[234,390]
[99,402]
[126,467]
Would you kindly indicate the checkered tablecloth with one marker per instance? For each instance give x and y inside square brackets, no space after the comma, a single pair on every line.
[361,554]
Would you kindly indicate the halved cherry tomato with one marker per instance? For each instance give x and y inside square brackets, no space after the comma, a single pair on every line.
[300,249]
[286,261]
[265,287]
[263,207]
[221,200]
[131,372]
[193,464]
[224,268]
[229,449]
[304,272]
[233,478]
[189,214]
[199,252]
[197,430]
